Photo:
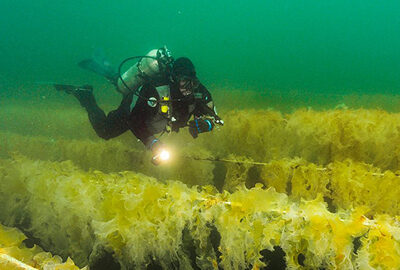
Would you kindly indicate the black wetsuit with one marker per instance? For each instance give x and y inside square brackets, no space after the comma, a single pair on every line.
[144,120]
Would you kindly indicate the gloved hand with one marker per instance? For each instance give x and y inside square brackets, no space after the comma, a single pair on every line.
[156,146]
[200,125]
[218,120]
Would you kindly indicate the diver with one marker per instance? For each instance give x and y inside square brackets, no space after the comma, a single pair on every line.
[159,94]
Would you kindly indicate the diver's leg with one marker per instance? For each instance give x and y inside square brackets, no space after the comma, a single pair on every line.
[110,126]
[106,127]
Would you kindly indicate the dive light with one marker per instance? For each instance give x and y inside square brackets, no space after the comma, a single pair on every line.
[161,157]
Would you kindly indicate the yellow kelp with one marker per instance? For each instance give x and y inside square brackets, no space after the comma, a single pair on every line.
[15,255]
[320,137]
[141,221]
[109,156]
[346,184]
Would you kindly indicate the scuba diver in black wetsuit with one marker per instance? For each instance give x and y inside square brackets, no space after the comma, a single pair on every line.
[168,95]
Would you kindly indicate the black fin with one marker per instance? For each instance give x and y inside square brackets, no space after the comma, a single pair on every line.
[100,65]
[65,87]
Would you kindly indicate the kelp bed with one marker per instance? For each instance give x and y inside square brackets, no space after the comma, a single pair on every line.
[321,195]
[15,253]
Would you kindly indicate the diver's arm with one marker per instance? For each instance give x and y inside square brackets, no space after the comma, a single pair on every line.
[205,105]
[141,115]
[140,130]
[205,116]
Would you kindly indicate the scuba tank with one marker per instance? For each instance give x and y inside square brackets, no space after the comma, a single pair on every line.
[154,67]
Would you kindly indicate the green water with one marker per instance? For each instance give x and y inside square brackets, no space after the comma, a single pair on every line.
[312,46]
[283,55]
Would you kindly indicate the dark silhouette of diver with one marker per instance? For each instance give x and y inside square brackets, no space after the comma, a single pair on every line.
[168,94]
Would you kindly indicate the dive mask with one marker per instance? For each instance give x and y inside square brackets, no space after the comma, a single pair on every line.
[187,84]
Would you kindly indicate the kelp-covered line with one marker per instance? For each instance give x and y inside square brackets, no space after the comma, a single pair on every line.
[107,156]
[343,184]
[15,254]
[141,222]
[370,136]
[321,137]
[341,165]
